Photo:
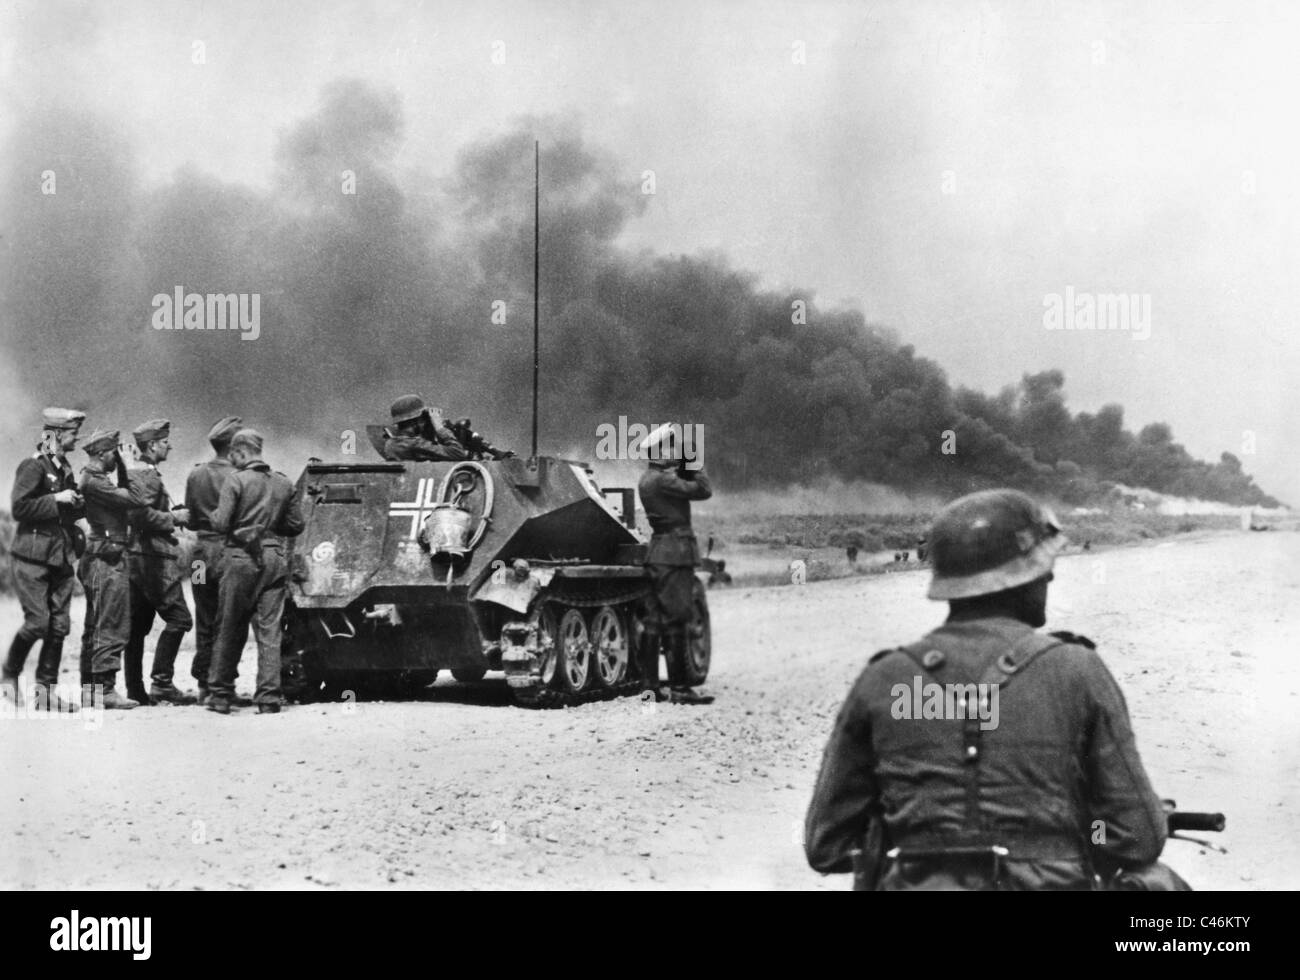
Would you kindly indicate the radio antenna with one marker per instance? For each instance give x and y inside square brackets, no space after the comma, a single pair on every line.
[537,237]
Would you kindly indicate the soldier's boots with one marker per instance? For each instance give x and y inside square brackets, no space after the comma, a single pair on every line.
[164,666]
[682,693]
[13,666]
[47,662]
[205,698]
[163,690]
[49,699]
[11,692]
[648,664]
[169,693]
[133,667]
[17,658]
[113,700]
[47,677]
[686,695]
[218,704]
[87,674]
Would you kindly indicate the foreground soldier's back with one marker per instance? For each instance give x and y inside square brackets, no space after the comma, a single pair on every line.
[1046,771]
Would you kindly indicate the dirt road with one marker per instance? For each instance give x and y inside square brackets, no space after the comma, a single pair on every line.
[462,790]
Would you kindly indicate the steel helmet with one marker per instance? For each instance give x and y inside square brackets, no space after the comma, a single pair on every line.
[989,541]
[406,408]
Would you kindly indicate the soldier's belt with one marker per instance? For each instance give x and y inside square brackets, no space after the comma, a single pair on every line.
[1005,849]
[110,538]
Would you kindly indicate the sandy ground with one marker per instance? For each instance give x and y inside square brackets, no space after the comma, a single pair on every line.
[463,790]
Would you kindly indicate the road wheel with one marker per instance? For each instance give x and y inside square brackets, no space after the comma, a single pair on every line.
[534,687]
[610,647]
[573,661]
[699,644]
[468,675]
[548,636]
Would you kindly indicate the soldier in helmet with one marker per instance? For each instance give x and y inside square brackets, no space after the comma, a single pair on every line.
[1045,791]
[46,505]
[666,489]
[419,433]
[155,575]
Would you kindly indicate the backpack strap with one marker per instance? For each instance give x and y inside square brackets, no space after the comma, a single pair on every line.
[1000,672]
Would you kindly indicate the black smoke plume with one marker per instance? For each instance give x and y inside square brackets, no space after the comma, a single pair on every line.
[391,289]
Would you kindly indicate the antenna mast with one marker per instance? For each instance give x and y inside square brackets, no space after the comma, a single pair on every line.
[537,212]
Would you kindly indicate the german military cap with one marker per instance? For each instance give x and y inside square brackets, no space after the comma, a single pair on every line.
[99,440]
[147,432]
[221,433]
[663,446]
[247,439]
[406,408]
[62,418]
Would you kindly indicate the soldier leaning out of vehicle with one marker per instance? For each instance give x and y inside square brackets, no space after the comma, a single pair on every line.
[1027,777]
[418,432]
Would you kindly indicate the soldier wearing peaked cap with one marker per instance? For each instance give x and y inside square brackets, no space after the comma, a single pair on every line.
[47,541]
[666,489]
[257,510]
[110,500]
[156,577]
[202,494]
[1003,790]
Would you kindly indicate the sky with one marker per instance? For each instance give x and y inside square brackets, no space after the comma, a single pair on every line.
[944,167]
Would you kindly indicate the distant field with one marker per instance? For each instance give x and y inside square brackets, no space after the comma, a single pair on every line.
[761,549]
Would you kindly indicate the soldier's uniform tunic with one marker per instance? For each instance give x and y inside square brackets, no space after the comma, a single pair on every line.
[103,569]
[673,553]
[1061,759]
[418,448]
[156,581]
[258,507]
[202,494]
[43,549]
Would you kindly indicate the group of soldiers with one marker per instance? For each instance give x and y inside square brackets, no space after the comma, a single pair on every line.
[129,564]
[1054,795]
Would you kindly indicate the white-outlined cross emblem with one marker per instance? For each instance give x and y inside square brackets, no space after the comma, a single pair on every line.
[419,508]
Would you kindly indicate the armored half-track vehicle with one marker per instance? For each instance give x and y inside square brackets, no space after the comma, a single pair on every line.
[405,569]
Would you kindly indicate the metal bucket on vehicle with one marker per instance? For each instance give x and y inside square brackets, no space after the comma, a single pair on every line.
[448,530]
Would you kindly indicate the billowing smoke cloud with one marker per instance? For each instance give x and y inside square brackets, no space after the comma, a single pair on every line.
[404,284]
